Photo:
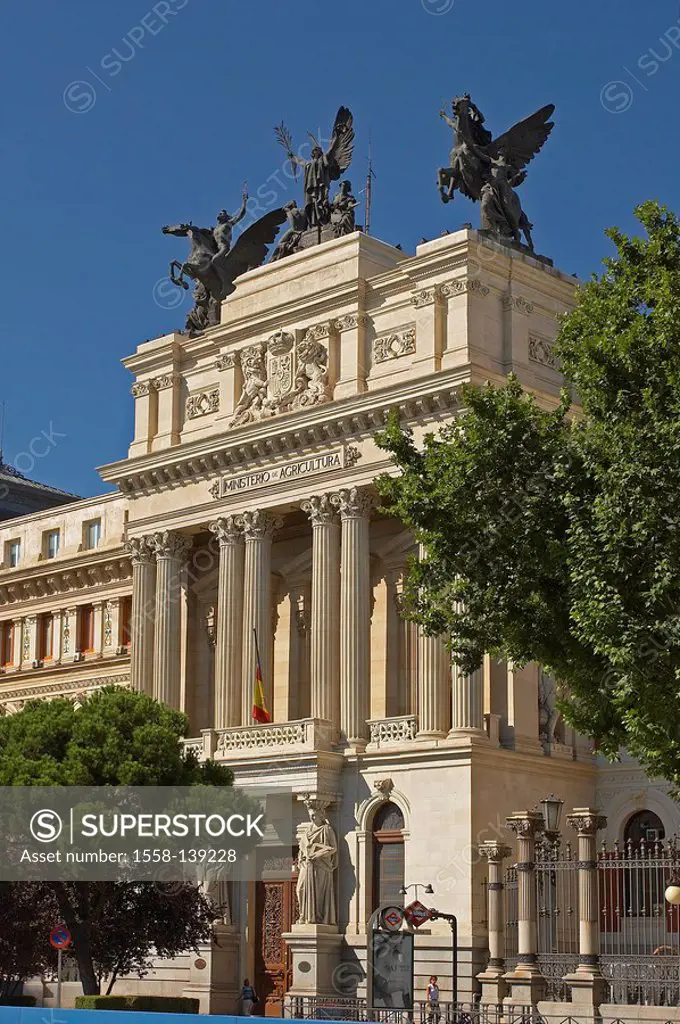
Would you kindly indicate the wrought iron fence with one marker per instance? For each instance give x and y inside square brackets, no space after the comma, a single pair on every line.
[639,930]
[557,909]
[511,908]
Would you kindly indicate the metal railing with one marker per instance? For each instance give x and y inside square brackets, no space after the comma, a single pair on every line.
[557,908]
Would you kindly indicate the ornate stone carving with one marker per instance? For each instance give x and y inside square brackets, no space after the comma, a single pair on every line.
[228,361]
[352,455]
[257,525]
[393,346]
[350,321]
[227,529]
[167,544]
[526,823]
[203,404]
[166,380]
[354,502]
[462,285]
[320,509]
[317,332]
[140,389]
[492,850]
[281,376]
[518,304]
[393,730]
[66,633]
[425,297]
[586,821]
[29,623]
[140,549]
[108,624]
[542,351]
[383,787]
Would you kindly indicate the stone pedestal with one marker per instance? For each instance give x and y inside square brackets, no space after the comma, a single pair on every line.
[315,951]
[214,973]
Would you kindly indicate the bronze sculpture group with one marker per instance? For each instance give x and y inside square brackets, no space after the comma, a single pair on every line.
[484,169]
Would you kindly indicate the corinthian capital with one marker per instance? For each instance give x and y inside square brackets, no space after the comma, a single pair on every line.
[586,821]
[526,824]
[167,544]
[354,503]
[227,530]
[259,525]
[320,510]
[141,552]
[493,851]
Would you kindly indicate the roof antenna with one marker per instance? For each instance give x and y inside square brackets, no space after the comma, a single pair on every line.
[369,188]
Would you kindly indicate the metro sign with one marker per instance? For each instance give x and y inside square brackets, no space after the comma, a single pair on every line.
[392,918]
[416,913]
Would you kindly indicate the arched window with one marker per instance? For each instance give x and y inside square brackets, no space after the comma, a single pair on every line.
[644,826]
[388,855]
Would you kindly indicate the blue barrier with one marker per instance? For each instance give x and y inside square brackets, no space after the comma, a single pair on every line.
[38,1015]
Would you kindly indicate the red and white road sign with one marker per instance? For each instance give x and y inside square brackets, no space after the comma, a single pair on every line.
[416,913]
[392,918]
[60,937]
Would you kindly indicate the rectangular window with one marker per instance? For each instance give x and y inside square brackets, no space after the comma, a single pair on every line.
[13,553]
[93,534]
[86,629]
[125,622]
[6,643]
[45,626]
[52,539]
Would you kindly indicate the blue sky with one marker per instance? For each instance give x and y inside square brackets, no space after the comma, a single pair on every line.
[100,148]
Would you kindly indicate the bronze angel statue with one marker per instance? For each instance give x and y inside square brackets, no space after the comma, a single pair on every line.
[488,170]
[323,167]
[214,264]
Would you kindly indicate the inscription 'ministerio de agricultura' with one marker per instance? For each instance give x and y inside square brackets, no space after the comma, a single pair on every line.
[336,458]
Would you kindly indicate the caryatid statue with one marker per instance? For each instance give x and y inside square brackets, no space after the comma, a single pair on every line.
[316,865]
[488,170]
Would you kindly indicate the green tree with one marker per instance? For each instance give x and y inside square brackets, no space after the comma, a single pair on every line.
[115,738]
[554,536]
[25,922]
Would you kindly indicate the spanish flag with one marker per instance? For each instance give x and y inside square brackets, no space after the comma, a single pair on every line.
[260,713]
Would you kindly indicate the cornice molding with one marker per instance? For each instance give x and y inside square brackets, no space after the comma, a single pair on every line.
[426,398]
[74,688]
[48,580]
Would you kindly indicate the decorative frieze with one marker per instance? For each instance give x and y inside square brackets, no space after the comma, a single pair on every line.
[542,351]
[203,403]
[59,688]
[425,297]
[228,361]
[463,285]
[517,304]
[394,346]
[350,322]
[140,389]
[166,380]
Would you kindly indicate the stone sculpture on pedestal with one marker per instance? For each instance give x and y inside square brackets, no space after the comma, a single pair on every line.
[317,863]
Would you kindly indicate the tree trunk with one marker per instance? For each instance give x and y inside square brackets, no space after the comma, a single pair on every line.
[80,931]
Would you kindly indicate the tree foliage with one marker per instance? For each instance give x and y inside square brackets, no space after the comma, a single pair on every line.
[115,738]
[554,536]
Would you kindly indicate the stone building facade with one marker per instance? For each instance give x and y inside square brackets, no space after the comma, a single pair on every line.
[246,502]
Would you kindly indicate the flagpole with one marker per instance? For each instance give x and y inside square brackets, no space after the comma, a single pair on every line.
[257,651]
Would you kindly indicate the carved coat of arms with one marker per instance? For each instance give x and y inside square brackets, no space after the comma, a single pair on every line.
[280,365]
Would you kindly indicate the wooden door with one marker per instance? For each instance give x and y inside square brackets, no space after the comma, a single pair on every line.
[275,910]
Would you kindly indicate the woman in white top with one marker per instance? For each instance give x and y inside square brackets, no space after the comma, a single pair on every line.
[433,1014]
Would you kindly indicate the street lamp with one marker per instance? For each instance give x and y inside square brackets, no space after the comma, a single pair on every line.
[425,886]
[672,893]
[551,806]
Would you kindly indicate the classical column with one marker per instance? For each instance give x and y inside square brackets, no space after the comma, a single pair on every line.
[493,985]
[355,613]
[229,681]
[171,550]
[258,529]
[143,613]
[588,987]
[467,702]
[527,983]
[432,683]
[325,625]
